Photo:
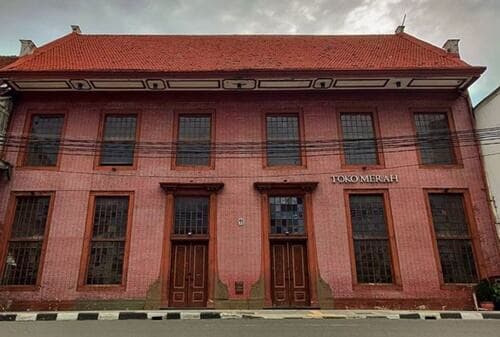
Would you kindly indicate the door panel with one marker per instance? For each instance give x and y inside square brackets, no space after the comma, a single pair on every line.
[188,279]
[289,275]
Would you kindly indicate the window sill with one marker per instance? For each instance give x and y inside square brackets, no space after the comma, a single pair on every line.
[457,286]
[42,168]
[285,167]
[101,287]
[19,287]
[377,286]
[441,166]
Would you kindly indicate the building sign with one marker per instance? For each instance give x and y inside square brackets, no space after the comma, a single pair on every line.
[365,179]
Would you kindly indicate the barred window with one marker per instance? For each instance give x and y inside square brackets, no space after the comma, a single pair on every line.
[434,139]
[287,214]
[359,142]
[193,143]
[191,215]
[44,140]
[107,246]
[283,140]
[371,242]
[453,239]
[26,240]
[118,140]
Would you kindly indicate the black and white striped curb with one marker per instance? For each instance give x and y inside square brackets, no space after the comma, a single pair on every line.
[176,315]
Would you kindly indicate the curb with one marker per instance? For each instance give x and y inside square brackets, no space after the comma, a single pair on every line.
[208,315]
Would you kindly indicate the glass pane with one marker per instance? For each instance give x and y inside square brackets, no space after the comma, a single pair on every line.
[110,218]
[45,137]
[193,144]
[106,262]
[287,215]
[118,140]
[373,262]
[368,216]
[22,263]
[191,215]
[360,145]
[448,216]
[30,217]
[457,261]
[283,141]
[434,138]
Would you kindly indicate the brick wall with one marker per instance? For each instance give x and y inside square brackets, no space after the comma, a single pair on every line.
[238,118]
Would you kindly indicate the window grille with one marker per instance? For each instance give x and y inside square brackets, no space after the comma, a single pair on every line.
[283,140]
[118,140]
[371,243]
[44,140]
[453,239]
[26,240]
[287,214]
[193,144]
[359,142]
[107,246]
[434,139]
[191,215]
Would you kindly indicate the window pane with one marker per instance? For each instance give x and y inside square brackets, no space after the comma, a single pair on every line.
[106,262]
[193,144]
[287,215]
[360,145]
[283,141]
[434,139]
[110,218]
[118,140]
[25,245]
[107,247]
[453,240]
[371,243]
[43,145]
[191,215]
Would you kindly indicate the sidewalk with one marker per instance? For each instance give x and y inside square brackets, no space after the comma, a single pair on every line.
[244,314]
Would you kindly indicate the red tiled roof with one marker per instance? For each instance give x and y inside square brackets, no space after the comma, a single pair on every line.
[182,53]
[6,60]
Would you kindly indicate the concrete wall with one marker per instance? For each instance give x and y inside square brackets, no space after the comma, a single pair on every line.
[238,119]
[487,115]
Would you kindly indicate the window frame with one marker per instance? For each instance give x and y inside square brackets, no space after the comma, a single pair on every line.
[473,234]
[28,123]
[87,239]
[9,220]
[376,131]
[451,126]
[193,113]
[100,137]
[391,237]
[288,112]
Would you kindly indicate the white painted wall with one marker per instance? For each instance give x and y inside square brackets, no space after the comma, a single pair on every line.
[487,115]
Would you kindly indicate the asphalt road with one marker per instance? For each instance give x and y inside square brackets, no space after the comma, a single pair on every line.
[254,328]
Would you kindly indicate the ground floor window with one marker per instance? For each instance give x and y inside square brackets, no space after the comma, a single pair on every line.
[372,251]
[26,240]
[454,244]
[108,233]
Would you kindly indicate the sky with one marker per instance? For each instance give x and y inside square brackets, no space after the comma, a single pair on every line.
[475,22]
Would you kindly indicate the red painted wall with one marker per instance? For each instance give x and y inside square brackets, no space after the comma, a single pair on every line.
[238,119]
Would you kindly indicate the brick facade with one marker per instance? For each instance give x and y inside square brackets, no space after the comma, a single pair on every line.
[238,118]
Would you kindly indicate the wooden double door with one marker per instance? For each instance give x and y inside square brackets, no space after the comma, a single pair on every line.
[289,274]
[188,274]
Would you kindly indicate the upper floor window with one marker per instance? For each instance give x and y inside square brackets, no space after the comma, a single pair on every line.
[118,143]
[283,140]
[434,139]
[194,140]
[27,235]
[371,242]
[44,140]
[359,142]
[453,240]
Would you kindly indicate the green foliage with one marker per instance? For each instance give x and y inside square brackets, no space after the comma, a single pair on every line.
[487,291]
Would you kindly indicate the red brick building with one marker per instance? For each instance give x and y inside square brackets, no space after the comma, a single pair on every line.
[242,172]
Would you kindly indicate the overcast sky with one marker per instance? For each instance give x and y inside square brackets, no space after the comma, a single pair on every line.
[475,22]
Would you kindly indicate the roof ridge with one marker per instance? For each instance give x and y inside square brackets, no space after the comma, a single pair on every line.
[432,48]
[240,35]
[39,51]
